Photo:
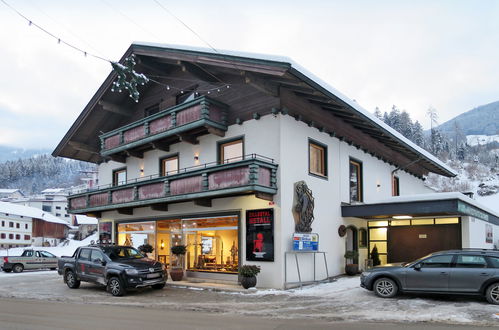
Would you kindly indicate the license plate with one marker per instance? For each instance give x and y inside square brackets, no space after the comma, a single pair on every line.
[153,275]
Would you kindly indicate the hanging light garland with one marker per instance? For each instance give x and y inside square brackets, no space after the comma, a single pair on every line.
[128,78]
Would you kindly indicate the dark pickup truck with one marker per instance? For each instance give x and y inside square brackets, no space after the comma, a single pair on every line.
[119,268]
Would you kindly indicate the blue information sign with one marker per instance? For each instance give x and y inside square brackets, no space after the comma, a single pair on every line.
[305,242]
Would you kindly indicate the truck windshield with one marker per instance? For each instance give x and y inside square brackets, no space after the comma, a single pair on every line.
[123,253]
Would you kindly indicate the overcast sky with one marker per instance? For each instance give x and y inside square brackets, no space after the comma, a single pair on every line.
[413,54]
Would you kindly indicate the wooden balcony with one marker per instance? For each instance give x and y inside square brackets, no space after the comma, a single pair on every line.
[184,122]
[254,174]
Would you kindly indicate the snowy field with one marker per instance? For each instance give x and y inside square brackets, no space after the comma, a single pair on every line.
[342,300]
[473,140]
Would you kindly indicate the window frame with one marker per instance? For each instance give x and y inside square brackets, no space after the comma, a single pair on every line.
[115,176]
[322,146]
[231,141]
[165,158]
[395,185]
[360,180]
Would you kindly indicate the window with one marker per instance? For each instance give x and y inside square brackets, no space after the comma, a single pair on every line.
[317,158]
[494,262]
[231,151]
[85,254]
[169,165]
[437,262]
[46,254]
[151,110]
[18,225]
[11,236]
[362,237]
[18,237]
[25,226]
[11,224]
[2,236]
[57,214]
[66,215]
[27,237]
[97,256]
[186,95]
[395,186]
[57,207]
[465,261]
[3,223]
[119,177]
[355,181]
[47,208]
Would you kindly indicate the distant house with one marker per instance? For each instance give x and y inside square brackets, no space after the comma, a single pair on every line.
[53,201]
[24,226]
[86,226]
[10,194]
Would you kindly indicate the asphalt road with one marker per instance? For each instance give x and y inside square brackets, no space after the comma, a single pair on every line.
[33,315]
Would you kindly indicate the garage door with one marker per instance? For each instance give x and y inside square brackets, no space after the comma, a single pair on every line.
[407,243]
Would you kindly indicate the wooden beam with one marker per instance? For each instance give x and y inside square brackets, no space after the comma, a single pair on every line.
[188,138]
[111,107]
[203,202]
[83,147]
[118,158]
[263,85]
[94,214]
[215,131]
[264,196]
[160,146]
[133,153]
[200,72]
[126,210]
[159,207]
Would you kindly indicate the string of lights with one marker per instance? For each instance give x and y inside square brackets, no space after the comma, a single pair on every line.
[120,68]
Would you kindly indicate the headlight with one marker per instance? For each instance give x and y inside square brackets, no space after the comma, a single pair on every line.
[366,274]
[163,267]
[131,271]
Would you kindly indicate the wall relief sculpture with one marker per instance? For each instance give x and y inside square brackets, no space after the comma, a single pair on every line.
[304,208]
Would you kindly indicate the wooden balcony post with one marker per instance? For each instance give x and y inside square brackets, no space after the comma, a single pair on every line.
[87,200]
[253,173]
[167,188]
[273,177]
[110,197]
[102,144]
[204,182]
[146,128]
[205,110]
[122,137]
[174,119]
[135,193]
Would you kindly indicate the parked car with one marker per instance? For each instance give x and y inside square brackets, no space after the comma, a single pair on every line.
[119,268]
[467,271]
[30,259]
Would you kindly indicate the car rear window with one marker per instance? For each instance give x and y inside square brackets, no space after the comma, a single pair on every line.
[494,262]
[466,261]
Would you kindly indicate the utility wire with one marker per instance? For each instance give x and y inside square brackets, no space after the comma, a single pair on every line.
[59,40]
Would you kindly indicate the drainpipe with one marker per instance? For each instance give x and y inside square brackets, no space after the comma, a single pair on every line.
[405,166]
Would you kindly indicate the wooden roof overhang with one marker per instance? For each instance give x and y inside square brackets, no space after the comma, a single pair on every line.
[262,85]
[419,208]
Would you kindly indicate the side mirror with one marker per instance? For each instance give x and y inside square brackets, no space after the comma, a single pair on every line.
[417,267]
[103,262]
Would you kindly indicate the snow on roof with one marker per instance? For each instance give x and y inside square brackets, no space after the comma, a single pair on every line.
[53,191]
[437,197]
[308,75]
[8,191]
[84,220]
[30,212]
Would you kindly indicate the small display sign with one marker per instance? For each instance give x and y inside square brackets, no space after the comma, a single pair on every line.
[260,235]
[305,242]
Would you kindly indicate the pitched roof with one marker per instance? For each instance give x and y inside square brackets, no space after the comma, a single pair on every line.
[30,212]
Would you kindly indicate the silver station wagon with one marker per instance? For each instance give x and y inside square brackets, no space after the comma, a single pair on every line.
[467,271]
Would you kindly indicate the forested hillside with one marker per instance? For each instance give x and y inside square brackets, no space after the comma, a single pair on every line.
[34,174]
[482,120]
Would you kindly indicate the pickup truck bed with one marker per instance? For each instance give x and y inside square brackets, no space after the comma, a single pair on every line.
[30,259]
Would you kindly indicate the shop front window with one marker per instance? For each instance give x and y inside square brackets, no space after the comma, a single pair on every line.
[212,244]
[137,234]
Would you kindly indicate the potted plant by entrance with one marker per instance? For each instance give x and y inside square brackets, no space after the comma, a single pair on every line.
[146,248]
[351,268]
[177,271]
[248,275]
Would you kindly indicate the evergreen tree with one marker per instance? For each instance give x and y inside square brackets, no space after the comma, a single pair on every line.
[375,256]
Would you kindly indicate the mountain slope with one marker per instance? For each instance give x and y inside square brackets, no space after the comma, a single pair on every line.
[12,153]
[483,120]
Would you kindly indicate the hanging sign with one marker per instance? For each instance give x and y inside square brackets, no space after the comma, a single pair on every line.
[305,242]
[260,235]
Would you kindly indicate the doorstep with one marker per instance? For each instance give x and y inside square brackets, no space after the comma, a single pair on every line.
[212,285]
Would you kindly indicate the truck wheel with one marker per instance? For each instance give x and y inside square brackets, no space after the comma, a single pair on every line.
[7,270]
[492,293]
[385,287]
[115,287]
[71,280]
[158,286]
[18,268]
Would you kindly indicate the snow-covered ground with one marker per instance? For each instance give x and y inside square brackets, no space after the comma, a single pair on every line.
[60,250]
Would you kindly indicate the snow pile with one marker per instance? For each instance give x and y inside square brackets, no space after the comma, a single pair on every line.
[474,140]
[63,249]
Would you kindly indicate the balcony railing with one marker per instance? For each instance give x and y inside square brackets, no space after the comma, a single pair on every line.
[251,174]
[198,116]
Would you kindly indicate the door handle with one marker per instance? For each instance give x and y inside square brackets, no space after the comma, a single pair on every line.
[484,274]
[443,273]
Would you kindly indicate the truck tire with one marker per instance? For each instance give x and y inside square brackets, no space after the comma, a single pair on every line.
[158,286]
[115,287]
[71,280]
[492,293]
[18,268]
